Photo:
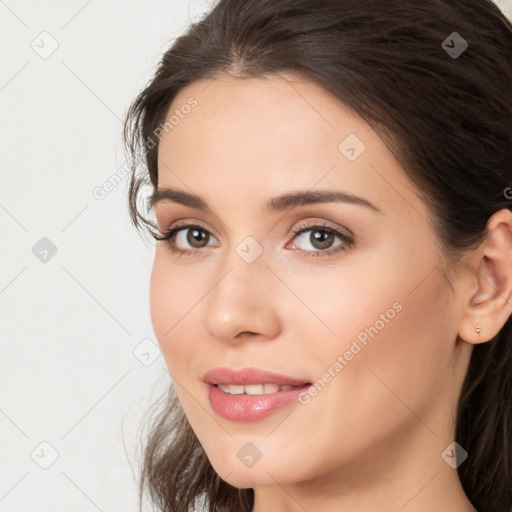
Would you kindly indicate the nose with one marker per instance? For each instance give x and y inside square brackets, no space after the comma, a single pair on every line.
[243,304]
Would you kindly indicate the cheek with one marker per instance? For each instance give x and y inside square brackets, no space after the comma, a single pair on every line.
[394,345]
[170,298]
[394,352]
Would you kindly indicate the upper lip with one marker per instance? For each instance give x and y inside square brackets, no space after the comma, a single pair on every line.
[247,376]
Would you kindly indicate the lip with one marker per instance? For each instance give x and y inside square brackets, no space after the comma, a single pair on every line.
[248,376]
[249,408]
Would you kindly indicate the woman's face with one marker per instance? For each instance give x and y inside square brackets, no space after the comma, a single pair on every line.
[364,316]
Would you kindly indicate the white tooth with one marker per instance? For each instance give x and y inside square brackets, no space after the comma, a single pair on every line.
[236,389]
[254,389]
[286,387]
[271,388]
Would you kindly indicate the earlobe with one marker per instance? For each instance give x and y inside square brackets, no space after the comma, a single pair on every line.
[490,299]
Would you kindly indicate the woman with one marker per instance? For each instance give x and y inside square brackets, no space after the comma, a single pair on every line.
[331,184]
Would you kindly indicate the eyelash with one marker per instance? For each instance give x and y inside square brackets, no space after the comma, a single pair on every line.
[348,241]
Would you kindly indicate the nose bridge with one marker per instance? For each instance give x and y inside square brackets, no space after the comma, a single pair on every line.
[241,298]
[244,263]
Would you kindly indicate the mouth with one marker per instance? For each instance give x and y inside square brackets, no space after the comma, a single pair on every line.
[250,394]
[257,389]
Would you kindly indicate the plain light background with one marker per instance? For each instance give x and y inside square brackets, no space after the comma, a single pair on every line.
[79,361]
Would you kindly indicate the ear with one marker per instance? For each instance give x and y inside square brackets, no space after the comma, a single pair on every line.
[489,302]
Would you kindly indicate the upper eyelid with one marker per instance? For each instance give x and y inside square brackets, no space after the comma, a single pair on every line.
[322,224]
[302,225]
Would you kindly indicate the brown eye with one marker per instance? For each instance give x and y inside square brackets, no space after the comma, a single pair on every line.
[321,239]
[178,237]
[196,237]
[190,239]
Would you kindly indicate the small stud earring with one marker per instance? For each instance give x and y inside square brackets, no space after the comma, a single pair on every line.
[477,329]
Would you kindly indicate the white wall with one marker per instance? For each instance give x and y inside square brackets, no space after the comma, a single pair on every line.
[69,327]
[506,6]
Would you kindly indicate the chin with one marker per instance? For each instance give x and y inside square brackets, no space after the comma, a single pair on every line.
[247,478]
[262,473]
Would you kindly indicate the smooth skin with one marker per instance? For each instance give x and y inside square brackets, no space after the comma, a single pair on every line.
[372,439]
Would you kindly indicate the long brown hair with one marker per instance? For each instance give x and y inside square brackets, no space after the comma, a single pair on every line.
[447,117]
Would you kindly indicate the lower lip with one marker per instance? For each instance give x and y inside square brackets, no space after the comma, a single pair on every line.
[250,407]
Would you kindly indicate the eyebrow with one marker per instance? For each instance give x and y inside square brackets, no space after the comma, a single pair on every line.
[282,202]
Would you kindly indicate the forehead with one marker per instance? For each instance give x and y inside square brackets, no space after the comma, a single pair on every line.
[257,108]
[260,137]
